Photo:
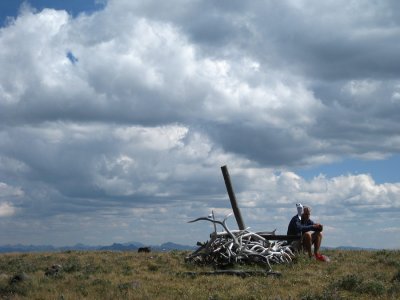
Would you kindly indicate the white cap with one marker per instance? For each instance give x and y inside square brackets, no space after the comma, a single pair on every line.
[299,209]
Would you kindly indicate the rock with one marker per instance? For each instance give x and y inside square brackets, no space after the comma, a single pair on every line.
[19,278]
[54,270]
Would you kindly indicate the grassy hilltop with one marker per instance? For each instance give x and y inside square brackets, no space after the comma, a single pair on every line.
[131,275]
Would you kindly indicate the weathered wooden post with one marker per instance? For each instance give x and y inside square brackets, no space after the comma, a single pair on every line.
[232,198]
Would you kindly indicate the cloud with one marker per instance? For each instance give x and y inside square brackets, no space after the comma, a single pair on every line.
[9,191]
[6,210]
[7,194]
[128,112]
[391,230]
[120,75]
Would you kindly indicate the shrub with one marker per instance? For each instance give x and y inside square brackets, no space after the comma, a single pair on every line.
[18,284]
[382,253]
[127,270]
[349,282]
[101,282]
[386,257]
[7,291]
[371,287]
[153,267]
[328,294]
[101,286]
[394,290]
[81,289]
[396,277]
[72,265]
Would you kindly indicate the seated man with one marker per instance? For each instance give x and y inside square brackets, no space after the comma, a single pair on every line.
[302,225]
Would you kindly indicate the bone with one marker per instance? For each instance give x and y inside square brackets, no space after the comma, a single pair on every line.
[239,246]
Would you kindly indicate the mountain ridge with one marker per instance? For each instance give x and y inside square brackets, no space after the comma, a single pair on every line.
[130,246]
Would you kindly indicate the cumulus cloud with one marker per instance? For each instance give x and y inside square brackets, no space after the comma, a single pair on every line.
[6,209]
[8,193]
[128,113]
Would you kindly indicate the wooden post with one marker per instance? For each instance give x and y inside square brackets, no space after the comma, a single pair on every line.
[232,198]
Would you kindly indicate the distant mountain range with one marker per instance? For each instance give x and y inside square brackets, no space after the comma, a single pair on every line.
[350,248]
[131,246]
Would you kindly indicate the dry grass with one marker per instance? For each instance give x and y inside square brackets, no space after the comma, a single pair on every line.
[128,275]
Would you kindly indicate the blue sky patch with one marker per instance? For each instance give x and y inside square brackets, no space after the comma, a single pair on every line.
[72,58]
[381,170]
[10,8]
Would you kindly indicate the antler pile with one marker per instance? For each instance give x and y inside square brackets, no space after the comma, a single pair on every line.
[239,246]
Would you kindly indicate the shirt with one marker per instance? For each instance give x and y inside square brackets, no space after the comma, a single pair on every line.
[296,228]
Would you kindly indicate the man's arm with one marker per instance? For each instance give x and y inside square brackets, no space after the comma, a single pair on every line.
[317,226]
[310,226]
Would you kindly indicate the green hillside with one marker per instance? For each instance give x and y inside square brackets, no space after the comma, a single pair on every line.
[131,275]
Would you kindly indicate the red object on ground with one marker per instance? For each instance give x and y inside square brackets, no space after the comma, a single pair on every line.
[321,257]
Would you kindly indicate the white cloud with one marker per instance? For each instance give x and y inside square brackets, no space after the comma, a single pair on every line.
[157,138]
[361,87]
[159,98]
[6,209]
[391,230]
[288,188]
[10,191]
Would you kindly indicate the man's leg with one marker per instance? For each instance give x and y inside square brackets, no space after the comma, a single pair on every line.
[316,240]
[307,242]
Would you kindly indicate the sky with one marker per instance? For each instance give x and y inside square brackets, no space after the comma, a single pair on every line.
[116,117]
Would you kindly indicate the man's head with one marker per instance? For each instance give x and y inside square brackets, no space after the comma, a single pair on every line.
[306,213]
[299,209]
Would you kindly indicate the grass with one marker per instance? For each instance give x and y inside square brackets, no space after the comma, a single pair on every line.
[131,275]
